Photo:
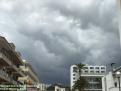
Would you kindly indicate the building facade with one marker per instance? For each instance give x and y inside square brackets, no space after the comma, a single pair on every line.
[112,81]
[93,75]
[10,61]
[31,76]
[43,87]
[13,70]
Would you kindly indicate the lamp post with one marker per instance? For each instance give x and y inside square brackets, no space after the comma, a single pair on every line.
[118,76]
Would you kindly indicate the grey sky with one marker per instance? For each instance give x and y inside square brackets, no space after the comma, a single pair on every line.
[55,34]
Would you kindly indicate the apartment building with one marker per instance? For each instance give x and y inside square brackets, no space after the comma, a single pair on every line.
[13,70]
[93,74]
[31,76]
[10,61]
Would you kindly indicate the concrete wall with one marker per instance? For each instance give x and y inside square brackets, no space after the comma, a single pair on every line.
[57,88]
[109,82]
[113,89]
[72,76]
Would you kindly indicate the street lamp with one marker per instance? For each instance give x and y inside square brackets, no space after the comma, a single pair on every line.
[118,76]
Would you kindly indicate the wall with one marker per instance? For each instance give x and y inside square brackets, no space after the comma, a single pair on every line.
[109,82]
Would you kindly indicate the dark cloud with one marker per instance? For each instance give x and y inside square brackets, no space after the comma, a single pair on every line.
[56,34]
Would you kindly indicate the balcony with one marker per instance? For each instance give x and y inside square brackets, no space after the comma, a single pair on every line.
[4,76]
[29,71]
[7,78]
[8,62]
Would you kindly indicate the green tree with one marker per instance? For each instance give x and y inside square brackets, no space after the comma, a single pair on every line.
[81,83]
[80,66]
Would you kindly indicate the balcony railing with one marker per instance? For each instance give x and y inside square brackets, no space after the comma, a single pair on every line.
[7,77]
[9,59]
[4,75]
[10,55]
[29,71]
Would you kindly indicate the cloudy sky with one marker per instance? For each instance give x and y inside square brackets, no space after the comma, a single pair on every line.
[54,34]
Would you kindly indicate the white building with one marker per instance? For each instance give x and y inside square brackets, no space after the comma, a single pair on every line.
[93,74]
[111,80]
[43,87]
[56,87]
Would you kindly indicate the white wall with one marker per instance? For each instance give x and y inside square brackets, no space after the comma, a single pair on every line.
[108,82]
[62,89]
[43,87]
[71,76]
[113,89]
[57,88]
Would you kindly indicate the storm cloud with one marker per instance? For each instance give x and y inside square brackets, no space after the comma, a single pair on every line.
[54,34]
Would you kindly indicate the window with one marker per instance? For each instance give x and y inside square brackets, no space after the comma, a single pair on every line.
[97,68]
[102,67]
[74,78]
[115,84]
[91,67]
[85,67]
[98,80]
[74,74]
[97,71]
[86,71]
[91,71]
[74,69]
[102,71]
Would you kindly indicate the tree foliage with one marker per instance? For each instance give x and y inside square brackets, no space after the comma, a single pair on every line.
[81,83]
[80,66]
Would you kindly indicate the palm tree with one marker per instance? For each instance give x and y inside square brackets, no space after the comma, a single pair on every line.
[80,66]
[81,83]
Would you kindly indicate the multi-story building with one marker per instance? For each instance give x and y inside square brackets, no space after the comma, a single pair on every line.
[112,81]
[43,87]
[10,61]
[93,75]
[31,76]
[13,70]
